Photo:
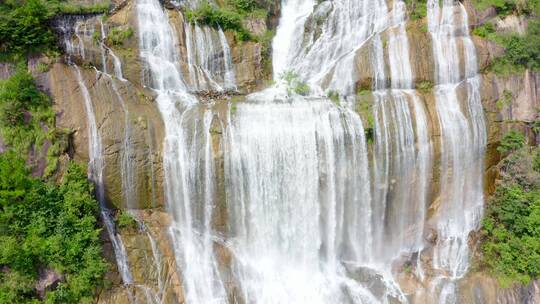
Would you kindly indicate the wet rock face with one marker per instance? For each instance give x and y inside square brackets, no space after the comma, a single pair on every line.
[143,120]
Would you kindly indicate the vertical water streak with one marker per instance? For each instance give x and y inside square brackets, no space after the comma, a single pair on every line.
[209,59]
[463,137]
[95,174]
[127,159]
[329,46]
[187,161]
[402,156]
[298,201]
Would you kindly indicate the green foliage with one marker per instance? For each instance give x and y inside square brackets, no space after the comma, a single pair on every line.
[511,141]
[47,226]
[125,220]
[25,25]
[43,67]
[117,36]
[22,108]
[228,18]
[536,164]
[27,118]
[505,100]
[522,52]
[294,84]
[68,8]
[417,9]
[333,96]
[507,7]
[424,86]
[364,108]
[484,30]
[511,226]
[24,28]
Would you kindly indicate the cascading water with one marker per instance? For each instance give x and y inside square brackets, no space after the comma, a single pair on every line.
[347,25]
[189,186]
[127,164]
[462,142]
[209,59]
[298,202]
[95,174]
[399,205]
[308,221]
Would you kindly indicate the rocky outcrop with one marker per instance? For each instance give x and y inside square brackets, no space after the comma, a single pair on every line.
[106,96]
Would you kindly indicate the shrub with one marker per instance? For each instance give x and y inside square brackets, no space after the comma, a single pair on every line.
[47,226]
[125,220]
[24,28]
[294,84]
[507,7]
[225,18]
[522,52]
[19,94]
[417,9]
[511,238]
[484,31]
[117,36]
[511,141]
[333,96]
[424,86]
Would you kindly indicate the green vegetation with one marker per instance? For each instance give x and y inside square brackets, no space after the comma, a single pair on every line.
[485,31]
[44,227]
[67,8]
[333,96]
[511,226]
[24,28]
[511,142]
[505,100]
[521,52]
[424,86]
[125,220]
[228,17]
[294,84]
[507,7]
[22,108]
[47,227]
[27,119]
[417,9]
[117,36]
[364,108]
[25,25]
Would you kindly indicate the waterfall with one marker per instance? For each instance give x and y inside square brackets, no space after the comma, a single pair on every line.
[293,194]
[346,26]
[188,160]
[402,154]
[69,26]
[95,174]
[308,219]
[209,59]
[129,178]
[463,139]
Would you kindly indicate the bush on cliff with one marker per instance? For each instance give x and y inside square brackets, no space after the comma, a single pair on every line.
[24,28]
[511,226]
[47,227]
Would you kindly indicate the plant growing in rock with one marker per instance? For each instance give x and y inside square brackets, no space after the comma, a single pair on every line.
[47,227]
[333,96]
[117,36]
[511,141]
[294,84]
[511,238]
